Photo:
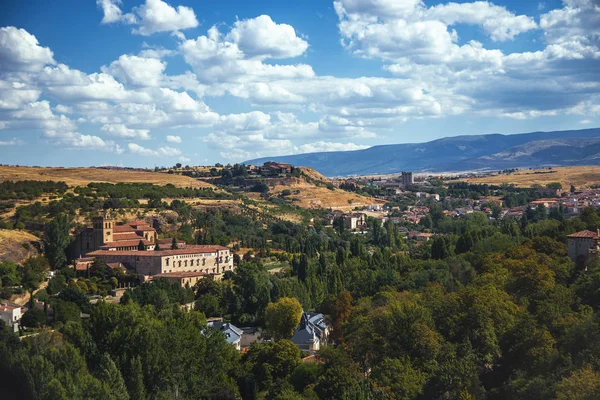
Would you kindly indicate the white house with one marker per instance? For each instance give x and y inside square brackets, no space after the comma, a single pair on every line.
[11,314]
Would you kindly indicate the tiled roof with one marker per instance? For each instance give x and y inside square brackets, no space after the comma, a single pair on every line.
[195,250]
[125,236]
[584,234]
[126,243]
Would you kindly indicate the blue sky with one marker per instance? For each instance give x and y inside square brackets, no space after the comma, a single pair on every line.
[153,82]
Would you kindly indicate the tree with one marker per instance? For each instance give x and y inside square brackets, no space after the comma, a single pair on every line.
[57,240]
[33,318]
[135,383]
[34,270]
[270,362]
[583,384]
[399,379]
[174,244]
[65,311]
[109,374]
[337,311]
[283,317]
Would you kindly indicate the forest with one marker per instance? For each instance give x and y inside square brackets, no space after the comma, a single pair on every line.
[486,310]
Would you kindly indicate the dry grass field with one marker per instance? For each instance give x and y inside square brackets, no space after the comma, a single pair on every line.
[580,177]
[313,197]
[83,176]
[15,245]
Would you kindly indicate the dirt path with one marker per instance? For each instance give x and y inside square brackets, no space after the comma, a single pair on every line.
[24,298]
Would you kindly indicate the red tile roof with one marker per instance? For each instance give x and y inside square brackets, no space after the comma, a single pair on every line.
[194,250]
[126,243]
[584,234]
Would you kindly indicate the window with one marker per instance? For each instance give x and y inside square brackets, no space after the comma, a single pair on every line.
[167,262]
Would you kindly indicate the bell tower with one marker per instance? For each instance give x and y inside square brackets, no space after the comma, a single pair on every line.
[103,229]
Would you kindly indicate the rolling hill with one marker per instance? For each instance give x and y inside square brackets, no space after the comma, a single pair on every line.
[459,153]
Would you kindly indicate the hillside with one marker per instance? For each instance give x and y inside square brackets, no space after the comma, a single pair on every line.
[16,245]
[309,195]
[580,177]
[460,153]
[83,176]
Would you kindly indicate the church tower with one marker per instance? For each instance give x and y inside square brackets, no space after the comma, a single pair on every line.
[103,230]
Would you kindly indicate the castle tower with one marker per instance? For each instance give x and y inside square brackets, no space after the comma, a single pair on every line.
[103,230]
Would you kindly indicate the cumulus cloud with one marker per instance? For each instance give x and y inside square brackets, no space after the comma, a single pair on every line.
[20,51]
[173,139]
[158,16]
[263,38]
[151,17]
[113,13]
[160,152]
[218,58]
[137,71]
[121,131]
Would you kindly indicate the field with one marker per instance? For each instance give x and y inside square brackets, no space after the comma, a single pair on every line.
[83,176]
[15,245]
[580,177]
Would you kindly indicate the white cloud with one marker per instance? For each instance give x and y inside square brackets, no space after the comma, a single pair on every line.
[173,139]
[20,51]
[12,142]
[217,59]
[160,152]
[585,121]
[321,146]
[158,16]
[113,13]
[121,131]
[261,37]
[137,71]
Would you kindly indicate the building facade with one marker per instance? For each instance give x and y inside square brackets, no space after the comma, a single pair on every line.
[106,234]
[11,314]
[210,260]
[582,245]
[407,178]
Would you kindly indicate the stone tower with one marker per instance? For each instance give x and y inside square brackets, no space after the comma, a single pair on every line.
[103,229]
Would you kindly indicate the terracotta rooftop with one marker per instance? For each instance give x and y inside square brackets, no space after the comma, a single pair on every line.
[4,307]
[126,243]
[162,253]
[585,234]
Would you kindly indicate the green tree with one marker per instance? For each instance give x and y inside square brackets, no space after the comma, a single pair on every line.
[57,240]
[33,318]
[109,374]
[398,379]
[34,270]
[583,384]
[283,317]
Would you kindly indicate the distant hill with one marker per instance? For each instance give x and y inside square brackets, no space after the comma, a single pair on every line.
[459,153]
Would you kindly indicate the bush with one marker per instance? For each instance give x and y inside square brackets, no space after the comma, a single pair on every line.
[33,318]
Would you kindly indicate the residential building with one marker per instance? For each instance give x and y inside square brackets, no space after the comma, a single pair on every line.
[582,245]
[11,314]
[354,221]
[232,333]
[312,333]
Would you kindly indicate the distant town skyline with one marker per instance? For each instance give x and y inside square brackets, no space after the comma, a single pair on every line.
[153,83]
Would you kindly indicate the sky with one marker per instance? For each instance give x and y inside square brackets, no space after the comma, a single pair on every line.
[144,83]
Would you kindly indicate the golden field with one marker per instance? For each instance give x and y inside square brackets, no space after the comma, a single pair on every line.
[580,177]
[83,176]
[15,245]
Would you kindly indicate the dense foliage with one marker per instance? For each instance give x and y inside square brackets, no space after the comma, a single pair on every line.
[487,309]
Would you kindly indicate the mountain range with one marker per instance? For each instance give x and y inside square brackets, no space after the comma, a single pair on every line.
[458,153]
